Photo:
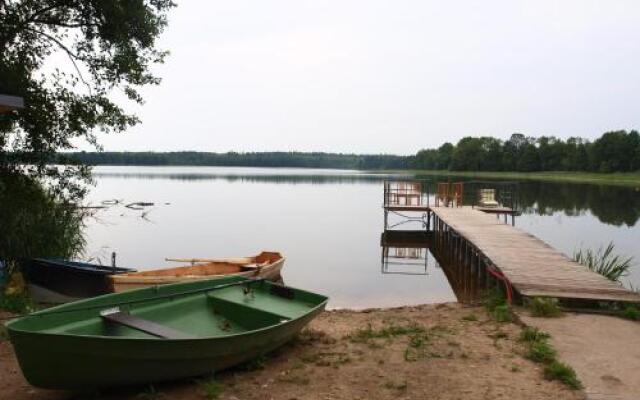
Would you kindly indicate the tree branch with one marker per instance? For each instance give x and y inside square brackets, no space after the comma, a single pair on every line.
[72,56]
[61,24]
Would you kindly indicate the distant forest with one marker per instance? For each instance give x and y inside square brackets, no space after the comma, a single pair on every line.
[233,159]
[617,151]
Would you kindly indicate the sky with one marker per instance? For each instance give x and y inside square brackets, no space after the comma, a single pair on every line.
[391,77]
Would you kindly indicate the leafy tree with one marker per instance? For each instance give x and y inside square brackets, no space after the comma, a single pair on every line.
[109,47]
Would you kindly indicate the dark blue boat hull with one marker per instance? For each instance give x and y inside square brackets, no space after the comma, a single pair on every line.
[69,279]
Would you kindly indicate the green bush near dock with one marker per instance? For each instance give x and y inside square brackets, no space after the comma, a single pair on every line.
[545,307]
[631,312]
[496,304]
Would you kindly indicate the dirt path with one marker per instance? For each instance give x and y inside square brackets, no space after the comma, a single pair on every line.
[426,352]
[604,351]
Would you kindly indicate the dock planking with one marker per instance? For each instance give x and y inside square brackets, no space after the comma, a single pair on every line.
[533,268]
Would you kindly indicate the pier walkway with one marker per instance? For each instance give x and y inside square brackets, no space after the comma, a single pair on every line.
[531,266]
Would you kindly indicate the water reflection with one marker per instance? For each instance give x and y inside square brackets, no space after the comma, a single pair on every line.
[613,205]
[413,252]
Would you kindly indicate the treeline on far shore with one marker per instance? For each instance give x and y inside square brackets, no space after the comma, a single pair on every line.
[256,159]
[617,151]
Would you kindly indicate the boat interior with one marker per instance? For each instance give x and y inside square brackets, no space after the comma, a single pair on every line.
[221,267]
[205,314]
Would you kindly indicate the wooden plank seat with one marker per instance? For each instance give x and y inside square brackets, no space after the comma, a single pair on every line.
[144,325]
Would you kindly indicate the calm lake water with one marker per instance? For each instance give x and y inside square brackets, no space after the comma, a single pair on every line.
[327,223]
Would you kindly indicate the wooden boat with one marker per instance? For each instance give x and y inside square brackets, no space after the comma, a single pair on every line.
[60,281]
[159,333]
[266,265]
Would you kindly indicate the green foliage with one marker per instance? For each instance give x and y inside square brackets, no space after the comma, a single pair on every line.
[492,299]
[545,307]
[35,222]
[211,388]
[19,303]
[496,304]
[540,351]
[151,393]
[366,334]
[538,347]
[605,262]
[532,335]
[109,48]
[617,151]
[631,312]
[559,371]
[250,159]
[503,313]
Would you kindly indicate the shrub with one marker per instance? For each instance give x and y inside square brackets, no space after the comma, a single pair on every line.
[605,262]
[563,373]
[632,313]
[531,335]
[541,352]
[545,307]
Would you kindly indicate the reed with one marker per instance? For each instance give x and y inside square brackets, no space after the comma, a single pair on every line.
[605,262]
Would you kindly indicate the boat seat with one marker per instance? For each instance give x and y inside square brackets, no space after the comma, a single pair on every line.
[144,325]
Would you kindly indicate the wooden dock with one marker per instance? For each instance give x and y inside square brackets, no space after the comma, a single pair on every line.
[531,266]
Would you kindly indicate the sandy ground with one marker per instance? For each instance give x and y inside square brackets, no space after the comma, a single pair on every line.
[604,351]
[459,353]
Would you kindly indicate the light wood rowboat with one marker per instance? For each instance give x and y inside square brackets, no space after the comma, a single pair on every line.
[266,265]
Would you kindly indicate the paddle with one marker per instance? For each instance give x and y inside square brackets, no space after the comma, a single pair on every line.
[240,260]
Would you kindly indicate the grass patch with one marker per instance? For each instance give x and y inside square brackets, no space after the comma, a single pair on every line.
[532,335]
[19,303]
[503,313]
[605,262]
[151,393]
[541,352]
[496,304]
[563,373]
[416,347]
[470,317]
[545,307]
[366,334]
[211,388]
[327,359]
[632,313]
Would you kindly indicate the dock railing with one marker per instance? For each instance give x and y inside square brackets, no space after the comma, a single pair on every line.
[406,192]
[482,193]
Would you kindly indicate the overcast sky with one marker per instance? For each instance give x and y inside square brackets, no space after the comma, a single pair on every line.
[388,76]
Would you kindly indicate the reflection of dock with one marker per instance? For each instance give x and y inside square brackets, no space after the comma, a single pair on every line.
[405,239]
[405,252]
[488,251]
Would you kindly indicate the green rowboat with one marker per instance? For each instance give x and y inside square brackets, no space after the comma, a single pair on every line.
[159,333]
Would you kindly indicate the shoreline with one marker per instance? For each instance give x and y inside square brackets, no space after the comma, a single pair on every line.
[438,351]
[616,178]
